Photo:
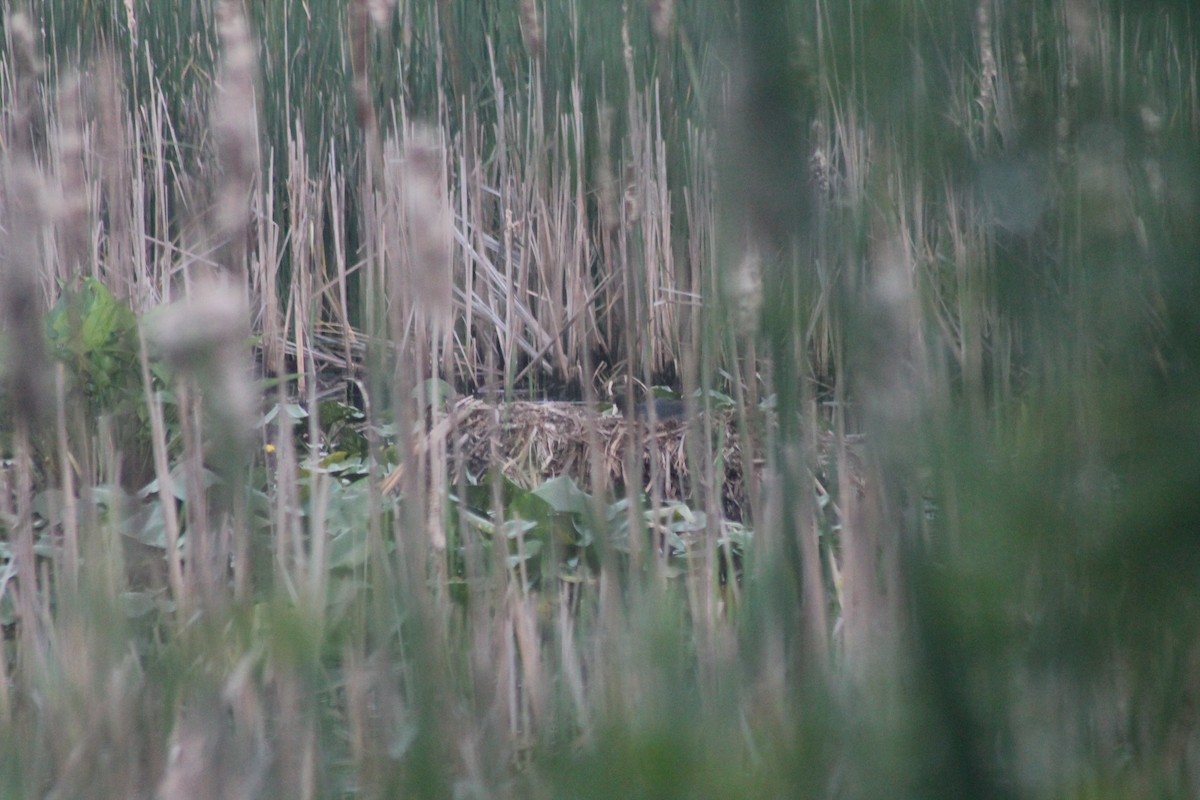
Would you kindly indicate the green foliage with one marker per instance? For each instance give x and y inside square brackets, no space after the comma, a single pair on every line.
[552,532]
[94,335]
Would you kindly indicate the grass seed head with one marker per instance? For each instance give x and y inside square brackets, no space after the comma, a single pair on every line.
[380,12]
[204,336]
[662,18]
[429,222]
[235,130]
[743,292]
[531,28]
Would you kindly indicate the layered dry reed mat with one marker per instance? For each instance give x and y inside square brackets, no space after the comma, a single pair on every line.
[529,442]
[963,229]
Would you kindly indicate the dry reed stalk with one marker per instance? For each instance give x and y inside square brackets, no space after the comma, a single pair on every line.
[986,99]
[531,29]
[270,318]
[820,171]
[336,203]
[380,12]
[125,271]
[471,238]
[548,259]
[154,269]
[448,48]
[205,335]
[217,747]
[191,336]
[437,515]
[379,719]
[90,709]
[581,292]
[21,304]
[429,227]
[527,299]
[166,487]
[131,20]
[205,557]
[294,740]
[6,677]
[570,668]
[235,134]
[699,372]
[509,297]
[504,671]
[267,258]
[294,566]
[287,525]
[72,219]
[33,656]
[894,385]
[523,619]
[318,578]
[373,184]
[1083,28]
[21,301]
[662,18]
[417,247]
[357,707]
[743,292]
[305,293]
[364,109]
[612,290]
[70,518]
[606,182]
[204,338]
[965,328]
[669,300]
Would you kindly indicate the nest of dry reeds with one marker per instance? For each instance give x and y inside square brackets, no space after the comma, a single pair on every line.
[529,442]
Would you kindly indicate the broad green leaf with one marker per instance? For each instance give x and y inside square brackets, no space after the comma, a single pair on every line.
[564,495]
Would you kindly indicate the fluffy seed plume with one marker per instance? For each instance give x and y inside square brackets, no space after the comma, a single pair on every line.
[204,336]
[662,18]
[743,292]
[380,12]
[531,28]
[429,225]
[235,129]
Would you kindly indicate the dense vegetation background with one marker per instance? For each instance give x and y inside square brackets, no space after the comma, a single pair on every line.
[933,265]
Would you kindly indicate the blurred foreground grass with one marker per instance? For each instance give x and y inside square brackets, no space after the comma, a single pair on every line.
[938,261]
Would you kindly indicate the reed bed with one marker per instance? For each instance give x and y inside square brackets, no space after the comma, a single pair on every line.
[315,314]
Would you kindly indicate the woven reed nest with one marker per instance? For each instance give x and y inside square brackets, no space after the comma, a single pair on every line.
[530,442]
